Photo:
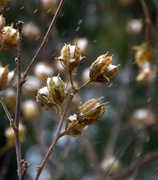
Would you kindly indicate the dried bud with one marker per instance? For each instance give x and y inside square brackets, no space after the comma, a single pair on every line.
[90,112]
[31,31]
[143,117]
[43,70]
[30,109]
[3,3]
[70,57]
[73,128]
[43,99]
[2,22]
[102,70]
[56,89]
[9,133]
[144,53]
[6,77]
[111,164]
[10,38]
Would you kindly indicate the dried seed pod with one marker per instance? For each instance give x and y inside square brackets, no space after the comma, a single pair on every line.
[56,89]
[10,138]
[2,22]
[10,38]
[10,98]
[6,77]
[134,26]
[73,128]
[43,99]
[42,70]
[31,31]
[31,85]
[49,5]
[102,70]
[82,44]
[111,164]
[147,74]
[90,112]
[30,109]
[143,117]
[70,56]
[144,53]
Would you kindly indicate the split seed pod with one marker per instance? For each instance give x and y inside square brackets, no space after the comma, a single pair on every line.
[10,38]
[56,89]
[43,99]
[90,112]
[73,128]
[70,56]
[102,70]
[2,22]
[6,77]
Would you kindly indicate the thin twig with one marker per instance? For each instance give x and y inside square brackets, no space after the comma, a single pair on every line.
[131,170]
[40,168]
[6,111]
[148,19]
[18,102]
[45,40]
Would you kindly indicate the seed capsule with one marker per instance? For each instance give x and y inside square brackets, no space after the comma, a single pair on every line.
[90,112]
[2,22]
[102,70]
[73,128]
[6,77]
[70,56]
[10,38]
[56,89]
[43,99]
[144,53]
[30,109]
[10,137]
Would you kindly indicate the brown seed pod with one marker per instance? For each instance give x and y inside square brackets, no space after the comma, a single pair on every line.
[102,70]
[6,77]
[91,111]
[70,56]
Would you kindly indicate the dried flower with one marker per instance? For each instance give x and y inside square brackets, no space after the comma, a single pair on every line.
[102,70]
[9,133]
[70,57]
[2,22]
[6,77]
[10,38]
[43,99]
[30,109]
[90,112]
[111,164]
[73,128]
[56,89]
[42,70]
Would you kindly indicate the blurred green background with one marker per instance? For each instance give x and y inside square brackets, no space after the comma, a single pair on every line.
[107,26]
